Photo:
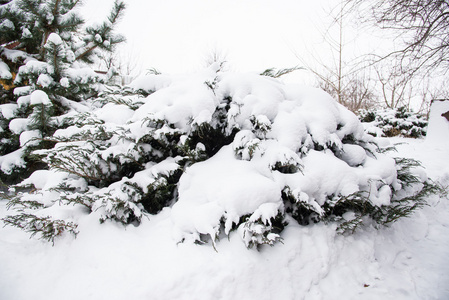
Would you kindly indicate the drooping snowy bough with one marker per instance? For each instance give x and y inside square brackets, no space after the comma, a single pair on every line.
[227,152]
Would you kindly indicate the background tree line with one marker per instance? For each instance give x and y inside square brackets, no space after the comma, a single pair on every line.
[409,72]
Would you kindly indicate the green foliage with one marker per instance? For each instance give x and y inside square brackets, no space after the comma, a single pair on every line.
[216,134]
[46,227]
[45,48]
[262,232]
[83,156]
[118,209]
[121,96]
[351,225]
[213,138]
[21,204]
[261,125]
[102,36]
[161,192]
[303,212]
[404,174]
[399,208]
[41,119]
[393,122]
[127,169]
[272,72]
[9,140]
[108,181]
[153,71]
[357,209]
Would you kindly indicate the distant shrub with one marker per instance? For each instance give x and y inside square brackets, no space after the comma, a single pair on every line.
[393,122]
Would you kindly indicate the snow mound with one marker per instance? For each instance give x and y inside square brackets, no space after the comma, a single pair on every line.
[39,97]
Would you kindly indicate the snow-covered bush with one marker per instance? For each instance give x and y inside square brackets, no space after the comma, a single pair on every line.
[392,122]
[227,152]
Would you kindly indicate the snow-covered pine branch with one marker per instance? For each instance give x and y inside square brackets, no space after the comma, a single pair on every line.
[40,42]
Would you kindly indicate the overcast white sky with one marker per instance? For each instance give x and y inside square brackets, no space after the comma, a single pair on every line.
[177,35]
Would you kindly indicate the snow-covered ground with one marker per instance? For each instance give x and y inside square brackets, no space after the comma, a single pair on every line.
[405,261]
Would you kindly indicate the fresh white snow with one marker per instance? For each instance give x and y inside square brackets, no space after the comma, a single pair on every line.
[4,71]
[8,110]
[438,125]
[39,97]
[406,261]
[278,124]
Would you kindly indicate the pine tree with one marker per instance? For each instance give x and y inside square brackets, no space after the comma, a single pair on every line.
[44,68]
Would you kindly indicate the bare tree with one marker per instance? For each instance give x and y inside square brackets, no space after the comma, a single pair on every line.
[332,78]
[411,73]
[121,67]
[439,92]
[349,83]
[356,91]
[396,87]
[359,93]
[217,56]
[422,25]
[129,66]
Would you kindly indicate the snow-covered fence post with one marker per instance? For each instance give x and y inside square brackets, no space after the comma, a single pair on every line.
[438,129]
